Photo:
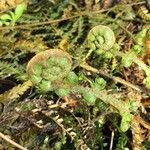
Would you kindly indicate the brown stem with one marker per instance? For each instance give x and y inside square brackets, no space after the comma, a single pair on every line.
[116,79]
[4,137]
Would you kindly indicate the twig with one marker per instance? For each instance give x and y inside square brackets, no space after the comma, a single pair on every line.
[25,26]
[4,137]
[116,79]
[112,139]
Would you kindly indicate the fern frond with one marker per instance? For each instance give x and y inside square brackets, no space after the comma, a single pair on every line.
[80,29]
[15,92]
[75,30]
[31,46]
[7,69]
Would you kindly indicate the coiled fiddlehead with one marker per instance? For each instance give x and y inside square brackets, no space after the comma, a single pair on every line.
[101,38]
[47,69]
[50,70]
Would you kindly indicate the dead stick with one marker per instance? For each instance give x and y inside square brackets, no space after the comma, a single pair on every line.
[116,79]
[4,137]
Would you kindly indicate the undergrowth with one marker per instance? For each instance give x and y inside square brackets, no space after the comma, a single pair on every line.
[74,75]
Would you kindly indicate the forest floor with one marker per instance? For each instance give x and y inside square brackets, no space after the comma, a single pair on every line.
[75,75]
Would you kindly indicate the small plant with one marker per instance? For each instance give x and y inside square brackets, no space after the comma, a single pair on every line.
[50,70]
[11,17]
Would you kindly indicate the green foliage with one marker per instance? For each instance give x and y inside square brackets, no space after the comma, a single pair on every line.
[139,37]
[99,84]
[59,144]
[138,49]
[133,106]
[62,92]
[127,60]
[36,79]
[71,78]
[125,121]
[122,141]
[12,17]
[44,86]
[9,69]
[89,97]
[15,92]
[147,82]
[37,69]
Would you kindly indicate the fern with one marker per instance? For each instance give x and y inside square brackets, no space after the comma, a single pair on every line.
[30,46]
[79,29]
[74,29]
[15,92]
[8,69]
[122,142]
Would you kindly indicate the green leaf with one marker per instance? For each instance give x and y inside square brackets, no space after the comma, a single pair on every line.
[6,23]
[45,86]
[36,79]
[128,59]
[126,121]
[37,69]
[58,145]
[72,78]
[19,11]
[99,84]
[137,49]
[108,55]
[133,106]
[50,62]
[12,17]
[147,82]
[140,37]
[62,92]
[6,17]
[63,62]
[89,97]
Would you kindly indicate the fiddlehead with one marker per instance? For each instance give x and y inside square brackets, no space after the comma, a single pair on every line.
[101,38]
[50,70]
[47,69]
